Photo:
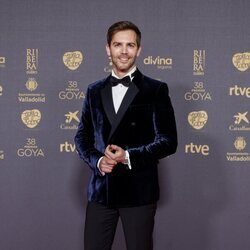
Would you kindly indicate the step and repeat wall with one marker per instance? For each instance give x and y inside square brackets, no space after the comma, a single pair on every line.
[51,50]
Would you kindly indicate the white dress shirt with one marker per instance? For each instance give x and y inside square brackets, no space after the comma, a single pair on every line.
[119,91]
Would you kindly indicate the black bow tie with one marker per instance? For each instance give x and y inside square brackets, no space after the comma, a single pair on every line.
[125,81]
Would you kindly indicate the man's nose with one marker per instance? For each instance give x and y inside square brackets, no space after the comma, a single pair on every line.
[124,49]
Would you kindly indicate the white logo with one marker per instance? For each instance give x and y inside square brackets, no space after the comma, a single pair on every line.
[71,92]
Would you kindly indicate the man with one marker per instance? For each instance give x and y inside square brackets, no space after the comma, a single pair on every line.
[123,132]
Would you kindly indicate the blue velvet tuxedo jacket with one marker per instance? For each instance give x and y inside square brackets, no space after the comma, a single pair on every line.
[144,125]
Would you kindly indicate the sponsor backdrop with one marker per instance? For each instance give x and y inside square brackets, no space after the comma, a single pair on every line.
[51,50]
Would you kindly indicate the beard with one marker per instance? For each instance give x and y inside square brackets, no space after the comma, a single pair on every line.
[123,64]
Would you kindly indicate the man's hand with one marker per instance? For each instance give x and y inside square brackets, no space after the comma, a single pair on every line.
[106,164]
[115,153]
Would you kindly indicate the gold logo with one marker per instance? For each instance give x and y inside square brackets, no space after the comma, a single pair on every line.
[1,154]
[31,84]
[240,143]
[241,117]
[197,119]
[240,156]
[241,61]
[197,149]
[67,147]
[31,118]
[72,116]
[33,97]
[2,60]
[241,122]
[199,62]
[239,91]
[32,61]
[72,60]
[71,121]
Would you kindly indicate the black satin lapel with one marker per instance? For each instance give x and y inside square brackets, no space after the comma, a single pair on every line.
[128,98]
[107,102]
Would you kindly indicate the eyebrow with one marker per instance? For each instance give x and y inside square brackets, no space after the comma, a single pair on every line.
[129,43]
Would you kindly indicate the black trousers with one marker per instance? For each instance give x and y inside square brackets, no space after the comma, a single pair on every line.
[101,223]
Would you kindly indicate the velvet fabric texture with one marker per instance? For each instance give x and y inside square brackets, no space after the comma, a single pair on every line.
[144,125]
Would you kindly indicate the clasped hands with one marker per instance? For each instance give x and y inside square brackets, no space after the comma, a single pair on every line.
[113,155]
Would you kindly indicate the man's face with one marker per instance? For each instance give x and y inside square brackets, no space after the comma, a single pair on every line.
[123,51]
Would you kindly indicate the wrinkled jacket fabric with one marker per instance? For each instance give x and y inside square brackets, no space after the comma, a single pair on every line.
[144,125]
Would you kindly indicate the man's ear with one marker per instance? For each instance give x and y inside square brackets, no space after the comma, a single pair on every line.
[107,49]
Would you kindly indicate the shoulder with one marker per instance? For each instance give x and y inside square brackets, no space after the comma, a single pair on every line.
[152,83]
[97,84]
[148,80]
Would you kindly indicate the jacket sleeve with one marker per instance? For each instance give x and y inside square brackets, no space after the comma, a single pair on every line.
[165,140]
[84,138]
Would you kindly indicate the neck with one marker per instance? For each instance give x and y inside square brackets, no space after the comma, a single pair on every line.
[122,74]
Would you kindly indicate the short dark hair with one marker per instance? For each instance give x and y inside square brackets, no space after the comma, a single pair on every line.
[120,26]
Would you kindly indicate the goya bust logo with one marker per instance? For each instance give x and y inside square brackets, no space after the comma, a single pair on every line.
[72,60]
[197,119]
[241,61]
[31,118]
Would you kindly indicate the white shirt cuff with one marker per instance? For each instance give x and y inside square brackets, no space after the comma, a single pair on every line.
[128,159]
[98,166]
